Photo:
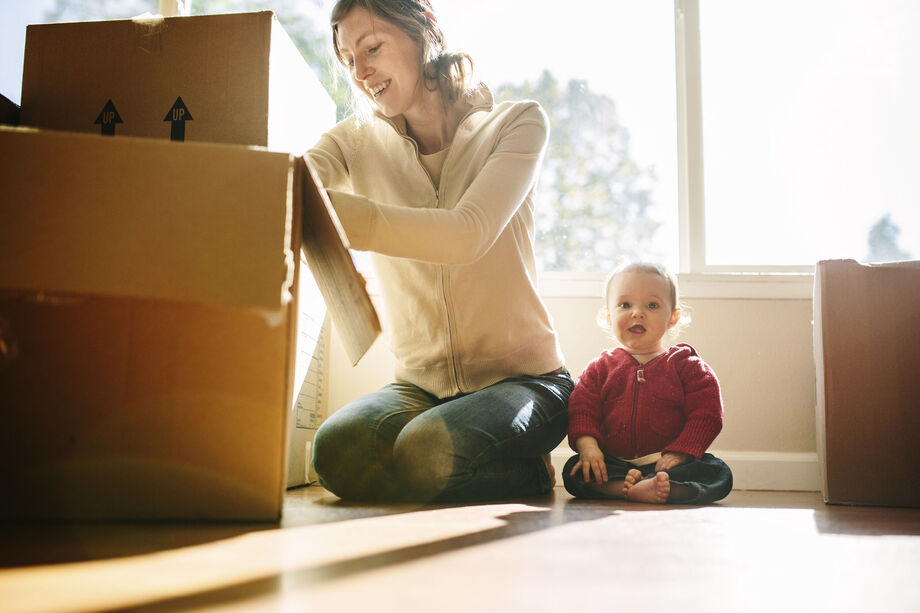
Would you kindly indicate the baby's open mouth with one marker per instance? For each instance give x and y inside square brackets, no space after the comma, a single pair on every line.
[637,329]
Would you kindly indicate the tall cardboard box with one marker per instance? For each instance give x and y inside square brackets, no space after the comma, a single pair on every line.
[149,328]
[867,330]
[215,78]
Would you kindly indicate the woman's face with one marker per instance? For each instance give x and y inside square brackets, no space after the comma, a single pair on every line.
[382,59]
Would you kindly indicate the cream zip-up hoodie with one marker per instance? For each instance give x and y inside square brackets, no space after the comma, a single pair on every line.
[455,261]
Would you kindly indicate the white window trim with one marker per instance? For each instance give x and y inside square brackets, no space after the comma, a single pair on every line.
[690,195]
[723,286]
[697,279]
[753,281]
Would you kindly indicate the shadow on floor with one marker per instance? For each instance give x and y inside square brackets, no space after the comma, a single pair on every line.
[539,515]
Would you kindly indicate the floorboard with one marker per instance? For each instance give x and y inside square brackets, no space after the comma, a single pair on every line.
[755,551]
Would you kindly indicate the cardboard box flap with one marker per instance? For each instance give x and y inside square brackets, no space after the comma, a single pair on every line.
[141,218]
[342,286]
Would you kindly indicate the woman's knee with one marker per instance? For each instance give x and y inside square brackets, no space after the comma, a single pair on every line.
[425,457]
[340,445]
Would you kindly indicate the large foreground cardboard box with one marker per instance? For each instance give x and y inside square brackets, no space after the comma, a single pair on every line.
[867,330]
[215,78]
[149,327]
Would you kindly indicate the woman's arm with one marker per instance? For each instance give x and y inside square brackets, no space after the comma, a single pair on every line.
[328,161]
[465,233]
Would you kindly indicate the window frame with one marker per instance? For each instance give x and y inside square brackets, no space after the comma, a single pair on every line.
[690,153]
[697,278]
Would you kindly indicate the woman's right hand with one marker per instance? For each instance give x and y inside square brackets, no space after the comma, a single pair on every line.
[590,460]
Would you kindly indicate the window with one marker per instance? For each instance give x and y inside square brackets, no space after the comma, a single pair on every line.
[604,70]
[810,130]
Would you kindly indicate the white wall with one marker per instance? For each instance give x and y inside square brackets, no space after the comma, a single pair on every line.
[761,350]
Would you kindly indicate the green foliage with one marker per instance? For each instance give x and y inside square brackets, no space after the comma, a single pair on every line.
[883,242]
[594,200]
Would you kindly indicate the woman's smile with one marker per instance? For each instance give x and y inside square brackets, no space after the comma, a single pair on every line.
[378,89]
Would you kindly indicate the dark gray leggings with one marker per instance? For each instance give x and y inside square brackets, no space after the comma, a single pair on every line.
[702,481]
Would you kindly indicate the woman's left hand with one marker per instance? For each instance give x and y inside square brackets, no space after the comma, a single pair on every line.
[670,459]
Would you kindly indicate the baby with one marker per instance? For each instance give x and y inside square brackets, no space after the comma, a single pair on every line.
[642,415]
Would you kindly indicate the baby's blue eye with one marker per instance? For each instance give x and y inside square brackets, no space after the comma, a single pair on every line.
[653,305]
[624,305]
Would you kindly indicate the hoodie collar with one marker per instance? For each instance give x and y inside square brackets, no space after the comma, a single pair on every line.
[480,99]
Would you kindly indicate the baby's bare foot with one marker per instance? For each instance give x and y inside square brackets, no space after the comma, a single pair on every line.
[653,490]
[632,478]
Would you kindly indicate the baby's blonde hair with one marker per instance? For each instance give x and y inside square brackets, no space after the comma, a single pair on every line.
[603,317]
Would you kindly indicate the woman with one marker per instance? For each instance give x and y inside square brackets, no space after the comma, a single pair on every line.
[438,184]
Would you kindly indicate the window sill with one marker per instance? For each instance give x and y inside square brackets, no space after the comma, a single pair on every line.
[726,286]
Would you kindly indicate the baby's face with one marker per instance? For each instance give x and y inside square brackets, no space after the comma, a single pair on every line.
[640,311]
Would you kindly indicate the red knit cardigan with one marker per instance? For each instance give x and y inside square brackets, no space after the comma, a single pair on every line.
[671,403]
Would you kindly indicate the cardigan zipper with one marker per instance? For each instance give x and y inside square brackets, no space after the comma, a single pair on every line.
[640,379]
[453,371]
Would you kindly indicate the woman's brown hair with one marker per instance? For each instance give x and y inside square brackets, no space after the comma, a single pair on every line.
[449,72]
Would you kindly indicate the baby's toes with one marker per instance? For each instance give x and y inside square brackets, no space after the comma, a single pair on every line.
[662,486]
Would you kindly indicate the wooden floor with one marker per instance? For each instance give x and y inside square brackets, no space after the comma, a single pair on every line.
[756,551]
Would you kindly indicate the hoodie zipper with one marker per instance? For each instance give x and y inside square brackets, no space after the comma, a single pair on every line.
[640,379]
[453,372]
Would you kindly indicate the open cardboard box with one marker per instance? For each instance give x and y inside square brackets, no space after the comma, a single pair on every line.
[867,330]
[149,307]
[214,78]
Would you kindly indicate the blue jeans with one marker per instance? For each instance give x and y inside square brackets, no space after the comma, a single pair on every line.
[702,481]
[403,444]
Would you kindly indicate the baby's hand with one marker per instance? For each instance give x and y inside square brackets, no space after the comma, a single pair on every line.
[591,460]
[670,459]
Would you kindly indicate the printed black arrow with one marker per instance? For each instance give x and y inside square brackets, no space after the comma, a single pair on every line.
[178,115]
[108,118]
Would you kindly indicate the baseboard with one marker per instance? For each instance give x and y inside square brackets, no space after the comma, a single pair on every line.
[751,470]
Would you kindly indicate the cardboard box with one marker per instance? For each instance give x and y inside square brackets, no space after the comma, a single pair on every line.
[217,78]
[9,111]
[149,327]
[867,330]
